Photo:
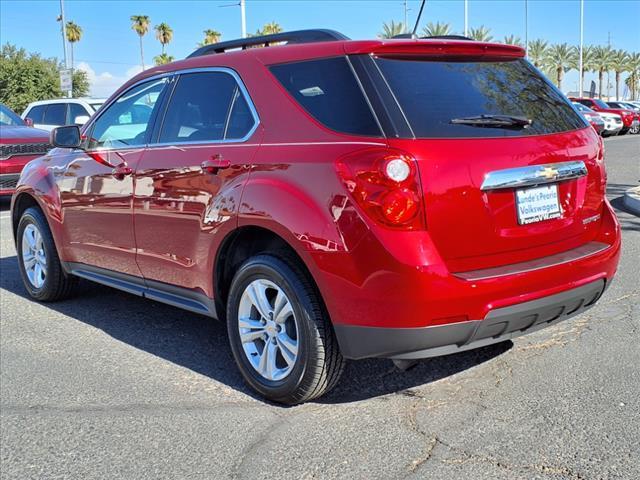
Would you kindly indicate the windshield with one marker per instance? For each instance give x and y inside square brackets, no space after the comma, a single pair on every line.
[581,107]
[600,103]
[8,118]
[440,97]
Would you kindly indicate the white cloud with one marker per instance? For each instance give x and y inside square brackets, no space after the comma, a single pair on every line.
[103,84]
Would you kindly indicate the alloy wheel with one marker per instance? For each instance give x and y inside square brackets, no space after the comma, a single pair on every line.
[268,329]
[34,256]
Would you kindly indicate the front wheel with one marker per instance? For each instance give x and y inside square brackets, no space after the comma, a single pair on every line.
[38,261]
[280,333]
[635,129]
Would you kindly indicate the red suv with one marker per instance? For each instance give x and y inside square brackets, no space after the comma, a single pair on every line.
[19,144]
[629,118]
[330,199]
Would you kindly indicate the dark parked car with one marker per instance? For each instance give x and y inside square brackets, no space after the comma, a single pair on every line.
[330,199]
[19,144]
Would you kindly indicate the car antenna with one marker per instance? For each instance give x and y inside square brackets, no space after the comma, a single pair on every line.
[413,33]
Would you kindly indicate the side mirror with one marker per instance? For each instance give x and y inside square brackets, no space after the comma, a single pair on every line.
[28,122]
[66,137]
[81,119]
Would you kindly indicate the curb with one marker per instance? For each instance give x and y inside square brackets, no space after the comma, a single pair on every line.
[632,200]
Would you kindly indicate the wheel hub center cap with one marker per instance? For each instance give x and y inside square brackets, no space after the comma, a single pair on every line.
[271,328]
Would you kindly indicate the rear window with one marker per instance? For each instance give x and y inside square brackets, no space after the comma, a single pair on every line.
[328,90]
[433,93]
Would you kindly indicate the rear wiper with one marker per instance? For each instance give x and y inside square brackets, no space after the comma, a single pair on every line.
[497,121]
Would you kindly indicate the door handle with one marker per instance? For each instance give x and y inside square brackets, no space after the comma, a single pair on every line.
[122,171]
[215,164]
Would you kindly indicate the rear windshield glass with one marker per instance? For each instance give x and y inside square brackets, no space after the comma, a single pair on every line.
[433,93]
[329,92]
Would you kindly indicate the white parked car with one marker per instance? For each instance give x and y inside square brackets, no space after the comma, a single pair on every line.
[48,114]
[612,123]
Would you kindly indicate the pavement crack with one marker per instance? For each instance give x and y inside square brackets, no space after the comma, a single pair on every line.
[466,456]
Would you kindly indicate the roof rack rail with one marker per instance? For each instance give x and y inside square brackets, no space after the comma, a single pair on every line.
[437,37]
[449,37]
[298,36]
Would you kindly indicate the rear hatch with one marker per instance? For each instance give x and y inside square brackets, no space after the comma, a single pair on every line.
[473,115]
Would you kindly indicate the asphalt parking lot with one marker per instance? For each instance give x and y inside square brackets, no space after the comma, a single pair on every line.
[108,385]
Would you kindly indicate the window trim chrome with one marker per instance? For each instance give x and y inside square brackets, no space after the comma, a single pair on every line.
[533,175]
[176,73]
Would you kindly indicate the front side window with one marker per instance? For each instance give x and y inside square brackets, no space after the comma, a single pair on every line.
[206,106]
[456,99]
[328,90]
[126,122]
[55,114]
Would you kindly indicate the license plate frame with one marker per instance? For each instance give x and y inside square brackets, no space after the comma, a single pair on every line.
[537,204]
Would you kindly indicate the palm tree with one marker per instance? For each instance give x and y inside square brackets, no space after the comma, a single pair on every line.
[164,34]
[560,58]
[74,34]
[513,40]
[619,64]
[271,28]
[140,25]
[633,63]
[390,30]
[211,36]
[163,59]
[437,30]
[537,52]
[602,57]
[481,34]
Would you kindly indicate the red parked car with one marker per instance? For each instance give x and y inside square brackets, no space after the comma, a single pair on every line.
[330,199]
[629,118]
[19,144]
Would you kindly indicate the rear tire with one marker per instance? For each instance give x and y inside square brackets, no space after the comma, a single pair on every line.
[38,261]
[280,333]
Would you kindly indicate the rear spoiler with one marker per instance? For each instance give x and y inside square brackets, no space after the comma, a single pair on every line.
[438,48]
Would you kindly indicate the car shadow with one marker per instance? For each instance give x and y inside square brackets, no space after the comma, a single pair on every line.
[200,344]
[5,204]
[628,219]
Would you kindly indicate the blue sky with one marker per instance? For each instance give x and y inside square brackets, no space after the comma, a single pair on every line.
[109,48]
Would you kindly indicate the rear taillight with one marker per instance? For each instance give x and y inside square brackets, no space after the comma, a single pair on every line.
[385,184]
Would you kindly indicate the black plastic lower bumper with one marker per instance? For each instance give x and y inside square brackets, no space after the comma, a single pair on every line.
[499,325]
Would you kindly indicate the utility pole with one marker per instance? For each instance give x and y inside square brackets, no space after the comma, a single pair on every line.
[466,17]
[243,17]
[581,46]
[64,40]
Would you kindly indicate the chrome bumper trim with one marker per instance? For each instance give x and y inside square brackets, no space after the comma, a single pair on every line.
[533,175]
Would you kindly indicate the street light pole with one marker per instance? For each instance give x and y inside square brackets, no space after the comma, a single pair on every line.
[243,19]
[466,17]
[64,39]
[526,27]
[581,46]
[406,17]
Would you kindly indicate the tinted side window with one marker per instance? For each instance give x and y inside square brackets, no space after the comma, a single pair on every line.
[56,114]
[432,93]
[76,110]
[36,113]
[329,92]
[199,108]
[126,121]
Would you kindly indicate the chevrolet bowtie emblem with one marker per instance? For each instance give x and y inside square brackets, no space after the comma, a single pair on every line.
[548,173]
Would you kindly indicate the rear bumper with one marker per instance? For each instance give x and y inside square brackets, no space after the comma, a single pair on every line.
[383,307]
[499,325]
